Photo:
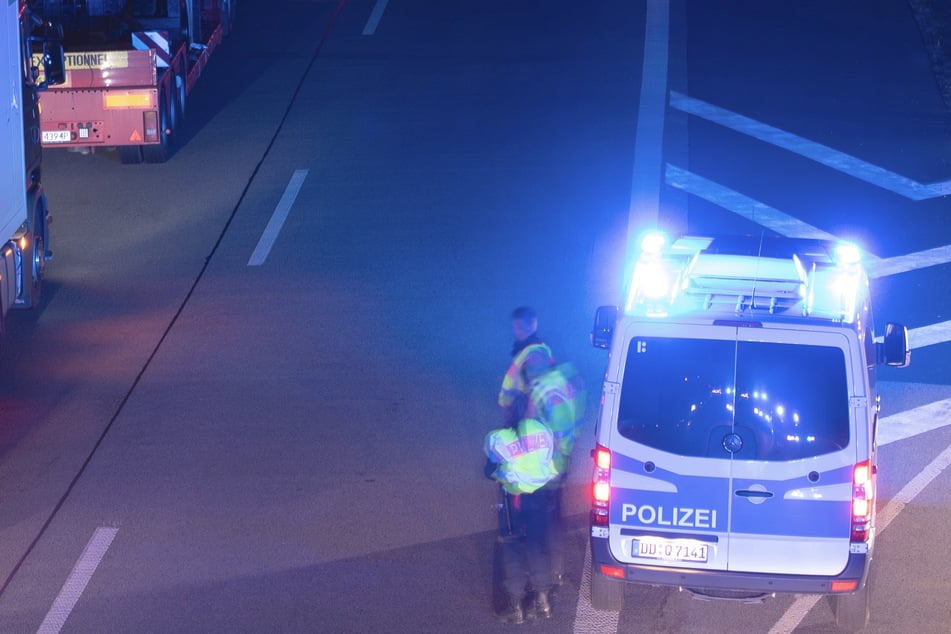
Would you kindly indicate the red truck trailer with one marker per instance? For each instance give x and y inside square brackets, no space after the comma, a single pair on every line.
[130,66]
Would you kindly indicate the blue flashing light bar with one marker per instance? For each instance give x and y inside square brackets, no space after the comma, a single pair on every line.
[694,274]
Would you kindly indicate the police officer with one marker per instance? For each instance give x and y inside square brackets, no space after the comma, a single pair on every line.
[526,554]
[557,398]
[521,459]
[530,355]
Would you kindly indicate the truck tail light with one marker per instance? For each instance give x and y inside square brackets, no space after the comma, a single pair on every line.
[151,125]
[600,486]
[863,501]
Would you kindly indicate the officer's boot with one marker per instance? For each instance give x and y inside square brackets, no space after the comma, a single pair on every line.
[513,613]
[542,606]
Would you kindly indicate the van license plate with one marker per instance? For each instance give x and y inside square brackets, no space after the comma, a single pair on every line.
[671,549]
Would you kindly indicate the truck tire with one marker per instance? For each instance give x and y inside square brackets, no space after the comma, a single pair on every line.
[180,96]
[34,256]
[160,152]
[130,154]
[226,11]
[606,594]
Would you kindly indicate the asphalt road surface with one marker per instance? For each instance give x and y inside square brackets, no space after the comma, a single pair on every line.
[255,395]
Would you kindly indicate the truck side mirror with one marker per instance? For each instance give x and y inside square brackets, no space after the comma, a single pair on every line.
[894,348]
[605,317]
[54,63]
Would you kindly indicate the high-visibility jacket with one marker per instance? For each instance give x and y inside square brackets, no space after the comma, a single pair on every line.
[558,400]
[525,456]
[515,385]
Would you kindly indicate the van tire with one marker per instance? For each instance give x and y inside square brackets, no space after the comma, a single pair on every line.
[607,594]
[851,610]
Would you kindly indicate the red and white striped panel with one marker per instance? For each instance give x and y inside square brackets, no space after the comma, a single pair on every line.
[158,40]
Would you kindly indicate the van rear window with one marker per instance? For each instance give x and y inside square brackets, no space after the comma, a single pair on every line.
[723,399]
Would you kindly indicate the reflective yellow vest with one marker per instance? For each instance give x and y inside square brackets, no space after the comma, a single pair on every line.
[525,456]
[514,384]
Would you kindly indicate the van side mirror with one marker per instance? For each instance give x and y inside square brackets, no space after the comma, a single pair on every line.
[894,350]
[605,317]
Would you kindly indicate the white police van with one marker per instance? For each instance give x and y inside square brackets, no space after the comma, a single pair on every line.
[736,453]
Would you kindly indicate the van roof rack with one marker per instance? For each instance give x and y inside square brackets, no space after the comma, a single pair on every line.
[738,274]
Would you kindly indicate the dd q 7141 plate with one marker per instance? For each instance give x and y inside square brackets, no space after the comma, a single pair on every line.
[670,549]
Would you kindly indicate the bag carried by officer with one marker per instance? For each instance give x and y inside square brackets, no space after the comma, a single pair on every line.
[524,455]
[558,398]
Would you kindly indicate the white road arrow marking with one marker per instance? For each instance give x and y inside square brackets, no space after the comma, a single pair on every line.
[742,205]
[784,224]
[823,154]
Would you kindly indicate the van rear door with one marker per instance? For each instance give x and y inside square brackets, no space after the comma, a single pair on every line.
[792,473]
[670,478]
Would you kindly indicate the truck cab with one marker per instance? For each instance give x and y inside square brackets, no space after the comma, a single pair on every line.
[736,449]
[32,51]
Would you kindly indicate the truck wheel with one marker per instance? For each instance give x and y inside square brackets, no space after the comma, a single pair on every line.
[851,610]
[159,153]
[130,154]
[226,11]
[606,594]
[180,96]
[33,260]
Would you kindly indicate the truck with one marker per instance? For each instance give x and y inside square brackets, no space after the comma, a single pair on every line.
[25,219]
[130,67]
[736,452]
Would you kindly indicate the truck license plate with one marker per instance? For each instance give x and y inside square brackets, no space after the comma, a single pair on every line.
[671,549]
[56,136]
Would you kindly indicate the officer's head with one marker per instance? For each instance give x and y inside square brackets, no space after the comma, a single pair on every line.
[524,322]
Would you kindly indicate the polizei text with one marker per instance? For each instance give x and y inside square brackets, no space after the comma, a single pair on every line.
[676,516]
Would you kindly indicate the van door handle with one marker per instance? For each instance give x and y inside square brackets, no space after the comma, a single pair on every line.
[751,493]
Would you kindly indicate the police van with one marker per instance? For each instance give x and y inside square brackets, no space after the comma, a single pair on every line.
[736,453]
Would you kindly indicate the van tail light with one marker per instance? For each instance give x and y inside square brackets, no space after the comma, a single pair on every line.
[863,501]
[600,486]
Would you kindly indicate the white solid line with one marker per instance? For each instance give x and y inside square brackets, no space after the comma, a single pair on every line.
[801,606]
[649,139]
[914,421]
[645,205]
[823,154]
[274,225]
[375,16]
[76,582]
[587,619]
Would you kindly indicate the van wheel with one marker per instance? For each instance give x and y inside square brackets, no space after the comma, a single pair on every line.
[851,610]
[606,594]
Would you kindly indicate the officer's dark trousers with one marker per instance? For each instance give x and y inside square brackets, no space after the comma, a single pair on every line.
[526,556]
